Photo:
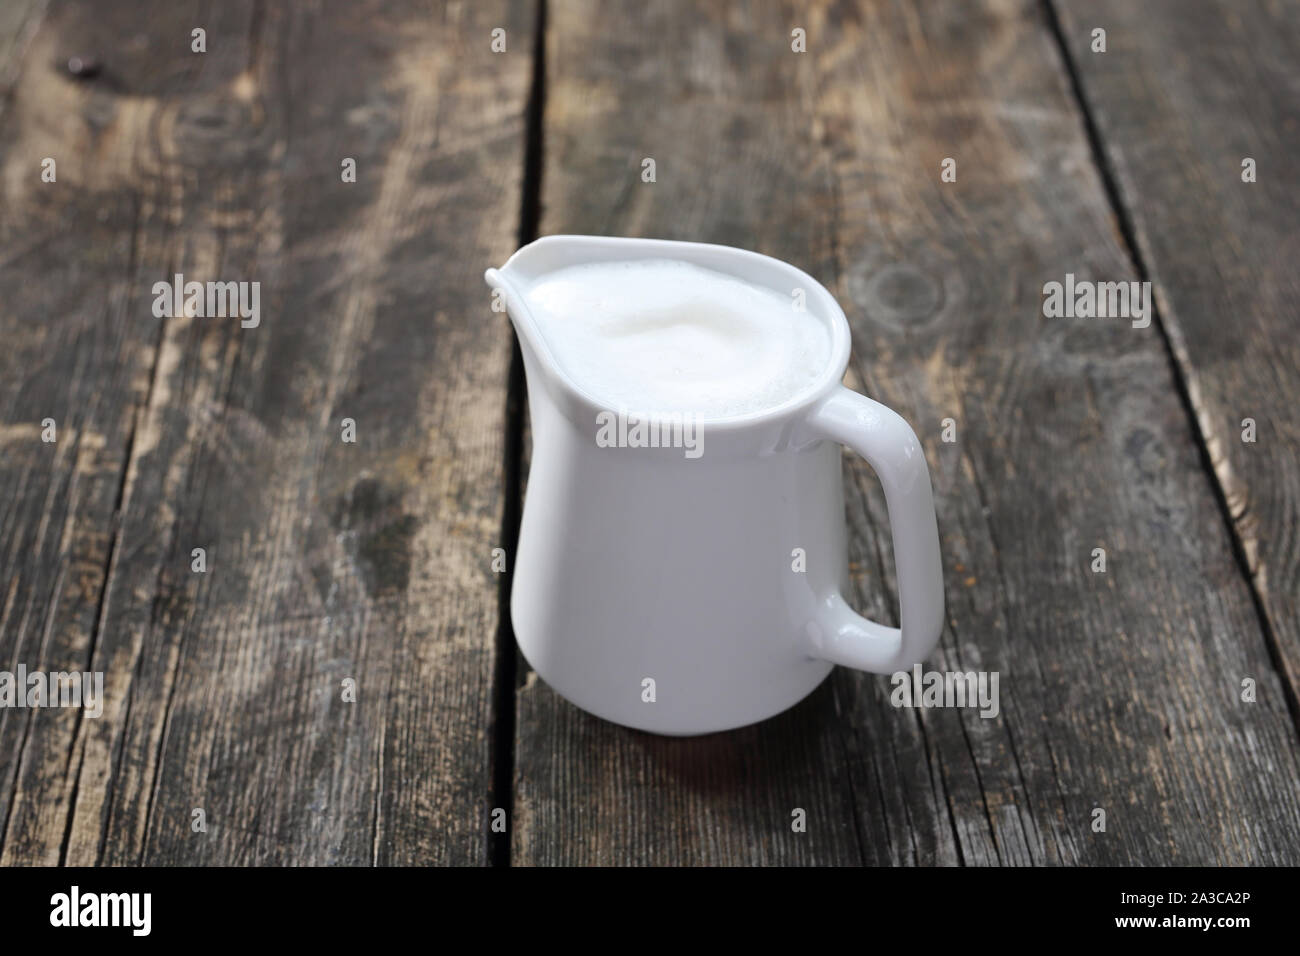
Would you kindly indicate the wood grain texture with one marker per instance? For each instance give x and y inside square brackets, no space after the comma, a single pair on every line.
[1119,691]
[326,560]
[18,21]
[1183,94]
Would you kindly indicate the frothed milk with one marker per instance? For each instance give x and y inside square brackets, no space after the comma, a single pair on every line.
[664,336]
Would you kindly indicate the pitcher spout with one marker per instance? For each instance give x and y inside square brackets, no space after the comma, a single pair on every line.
[514,282]
[510,293]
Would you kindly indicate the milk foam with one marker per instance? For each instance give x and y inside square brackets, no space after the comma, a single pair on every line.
[664,336]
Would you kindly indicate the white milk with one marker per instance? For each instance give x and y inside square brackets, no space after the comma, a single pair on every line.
[662,336]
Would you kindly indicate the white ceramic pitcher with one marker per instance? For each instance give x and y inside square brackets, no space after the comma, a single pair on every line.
[664,592]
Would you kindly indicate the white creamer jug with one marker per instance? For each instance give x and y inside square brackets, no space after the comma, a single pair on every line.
[692,581]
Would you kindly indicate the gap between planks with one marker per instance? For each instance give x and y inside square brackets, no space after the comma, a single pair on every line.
[504,701]
[1128,242]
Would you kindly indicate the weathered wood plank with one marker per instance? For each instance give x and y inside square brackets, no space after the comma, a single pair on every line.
[326,560]
[1183,95]
[1118,690]
[18,21]
[78,354]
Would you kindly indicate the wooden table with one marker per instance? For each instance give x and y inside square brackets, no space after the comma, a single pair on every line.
[329,561]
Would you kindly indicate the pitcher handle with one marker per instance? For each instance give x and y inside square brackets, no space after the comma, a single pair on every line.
[839,634]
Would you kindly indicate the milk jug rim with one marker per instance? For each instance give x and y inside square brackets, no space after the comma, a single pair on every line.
[541,257]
